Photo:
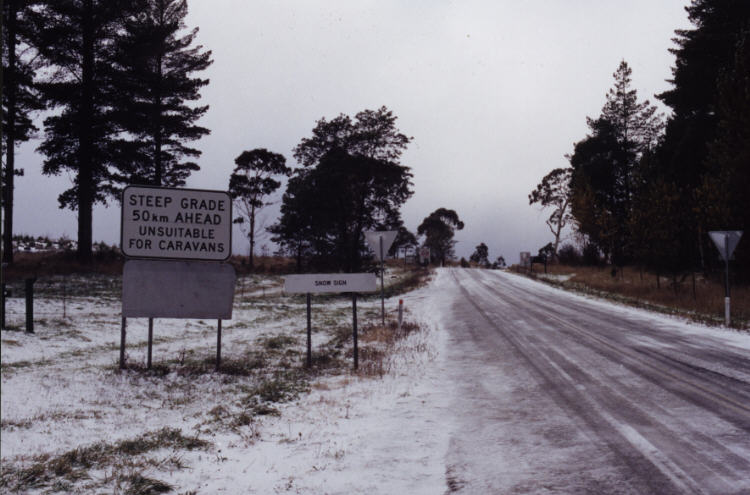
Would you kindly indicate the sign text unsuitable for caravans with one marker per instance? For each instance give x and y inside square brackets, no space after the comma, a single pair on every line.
[172,223]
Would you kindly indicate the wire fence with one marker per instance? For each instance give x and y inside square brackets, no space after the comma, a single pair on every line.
[54,297]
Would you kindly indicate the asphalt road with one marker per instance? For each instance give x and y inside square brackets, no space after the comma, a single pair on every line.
[553,393]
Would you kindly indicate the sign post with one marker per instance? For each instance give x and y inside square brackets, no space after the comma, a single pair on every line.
[380,242]
[180,237]
[726,241]
[330,283]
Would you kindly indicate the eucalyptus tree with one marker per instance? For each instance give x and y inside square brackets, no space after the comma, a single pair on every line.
[554,192]
[351,181]
[439,229]
[253,180]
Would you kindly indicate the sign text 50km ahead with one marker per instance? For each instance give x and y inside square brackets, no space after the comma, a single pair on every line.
[171,223]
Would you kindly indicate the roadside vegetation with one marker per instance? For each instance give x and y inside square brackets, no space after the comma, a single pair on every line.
[696,296]
[68,372]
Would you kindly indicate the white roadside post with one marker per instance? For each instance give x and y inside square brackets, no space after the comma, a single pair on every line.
[726,241]
[380,242]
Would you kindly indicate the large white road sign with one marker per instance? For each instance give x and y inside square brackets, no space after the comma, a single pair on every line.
[167,223]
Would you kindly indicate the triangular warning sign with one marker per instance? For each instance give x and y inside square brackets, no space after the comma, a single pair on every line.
[373,240]
[726,241]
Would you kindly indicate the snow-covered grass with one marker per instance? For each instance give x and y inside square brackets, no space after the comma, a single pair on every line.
[72,422]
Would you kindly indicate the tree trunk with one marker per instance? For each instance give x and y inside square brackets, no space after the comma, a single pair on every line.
[158,167]
[85,158]
[10,137]
[252,237]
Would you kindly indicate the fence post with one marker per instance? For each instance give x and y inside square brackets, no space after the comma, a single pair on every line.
[30,305]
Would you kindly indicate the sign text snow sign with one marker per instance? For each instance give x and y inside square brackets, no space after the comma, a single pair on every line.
[168,223]
[329,282]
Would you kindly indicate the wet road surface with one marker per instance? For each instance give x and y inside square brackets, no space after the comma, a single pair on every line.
[554,393]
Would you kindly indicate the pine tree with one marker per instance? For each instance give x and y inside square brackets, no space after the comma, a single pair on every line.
[700,56]
[20,100]
[604,164]
[723,195]
[157,59]
[76,40]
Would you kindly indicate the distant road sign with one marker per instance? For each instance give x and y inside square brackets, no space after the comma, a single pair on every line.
[373,240]
[329,282]
[169,223]
[424,255]
[525,258]
[726,241]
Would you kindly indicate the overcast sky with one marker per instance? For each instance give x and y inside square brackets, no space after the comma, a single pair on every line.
[493,92]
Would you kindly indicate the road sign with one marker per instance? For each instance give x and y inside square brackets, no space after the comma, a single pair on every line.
[424,255]
[726,241]
[168,223]
[329,282]
[373,240]
[177,289]
[525,259]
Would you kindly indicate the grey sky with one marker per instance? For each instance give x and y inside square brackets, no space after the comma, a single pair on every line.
[494,93]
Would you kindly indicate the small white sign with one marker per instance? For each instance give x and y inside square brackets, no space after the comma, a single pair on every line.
[168,223]
[726,241]
[329,282]
[373,240]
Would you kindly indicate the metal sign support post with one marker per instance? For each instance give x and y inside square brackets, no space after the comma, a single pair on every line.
[382,286]
[726,241]
[150,341]
[122,344]
[354,324]
[218,346]
[2,306]
[727,314]
[309,332]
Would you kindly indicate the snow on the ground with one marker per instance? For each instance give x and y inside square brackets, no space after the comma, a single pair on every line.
[729,336]
[350,433]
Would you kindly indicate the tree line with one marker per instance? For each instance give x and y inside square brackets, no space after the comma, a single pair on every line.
[351,180]
[644,188]
[120,81]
